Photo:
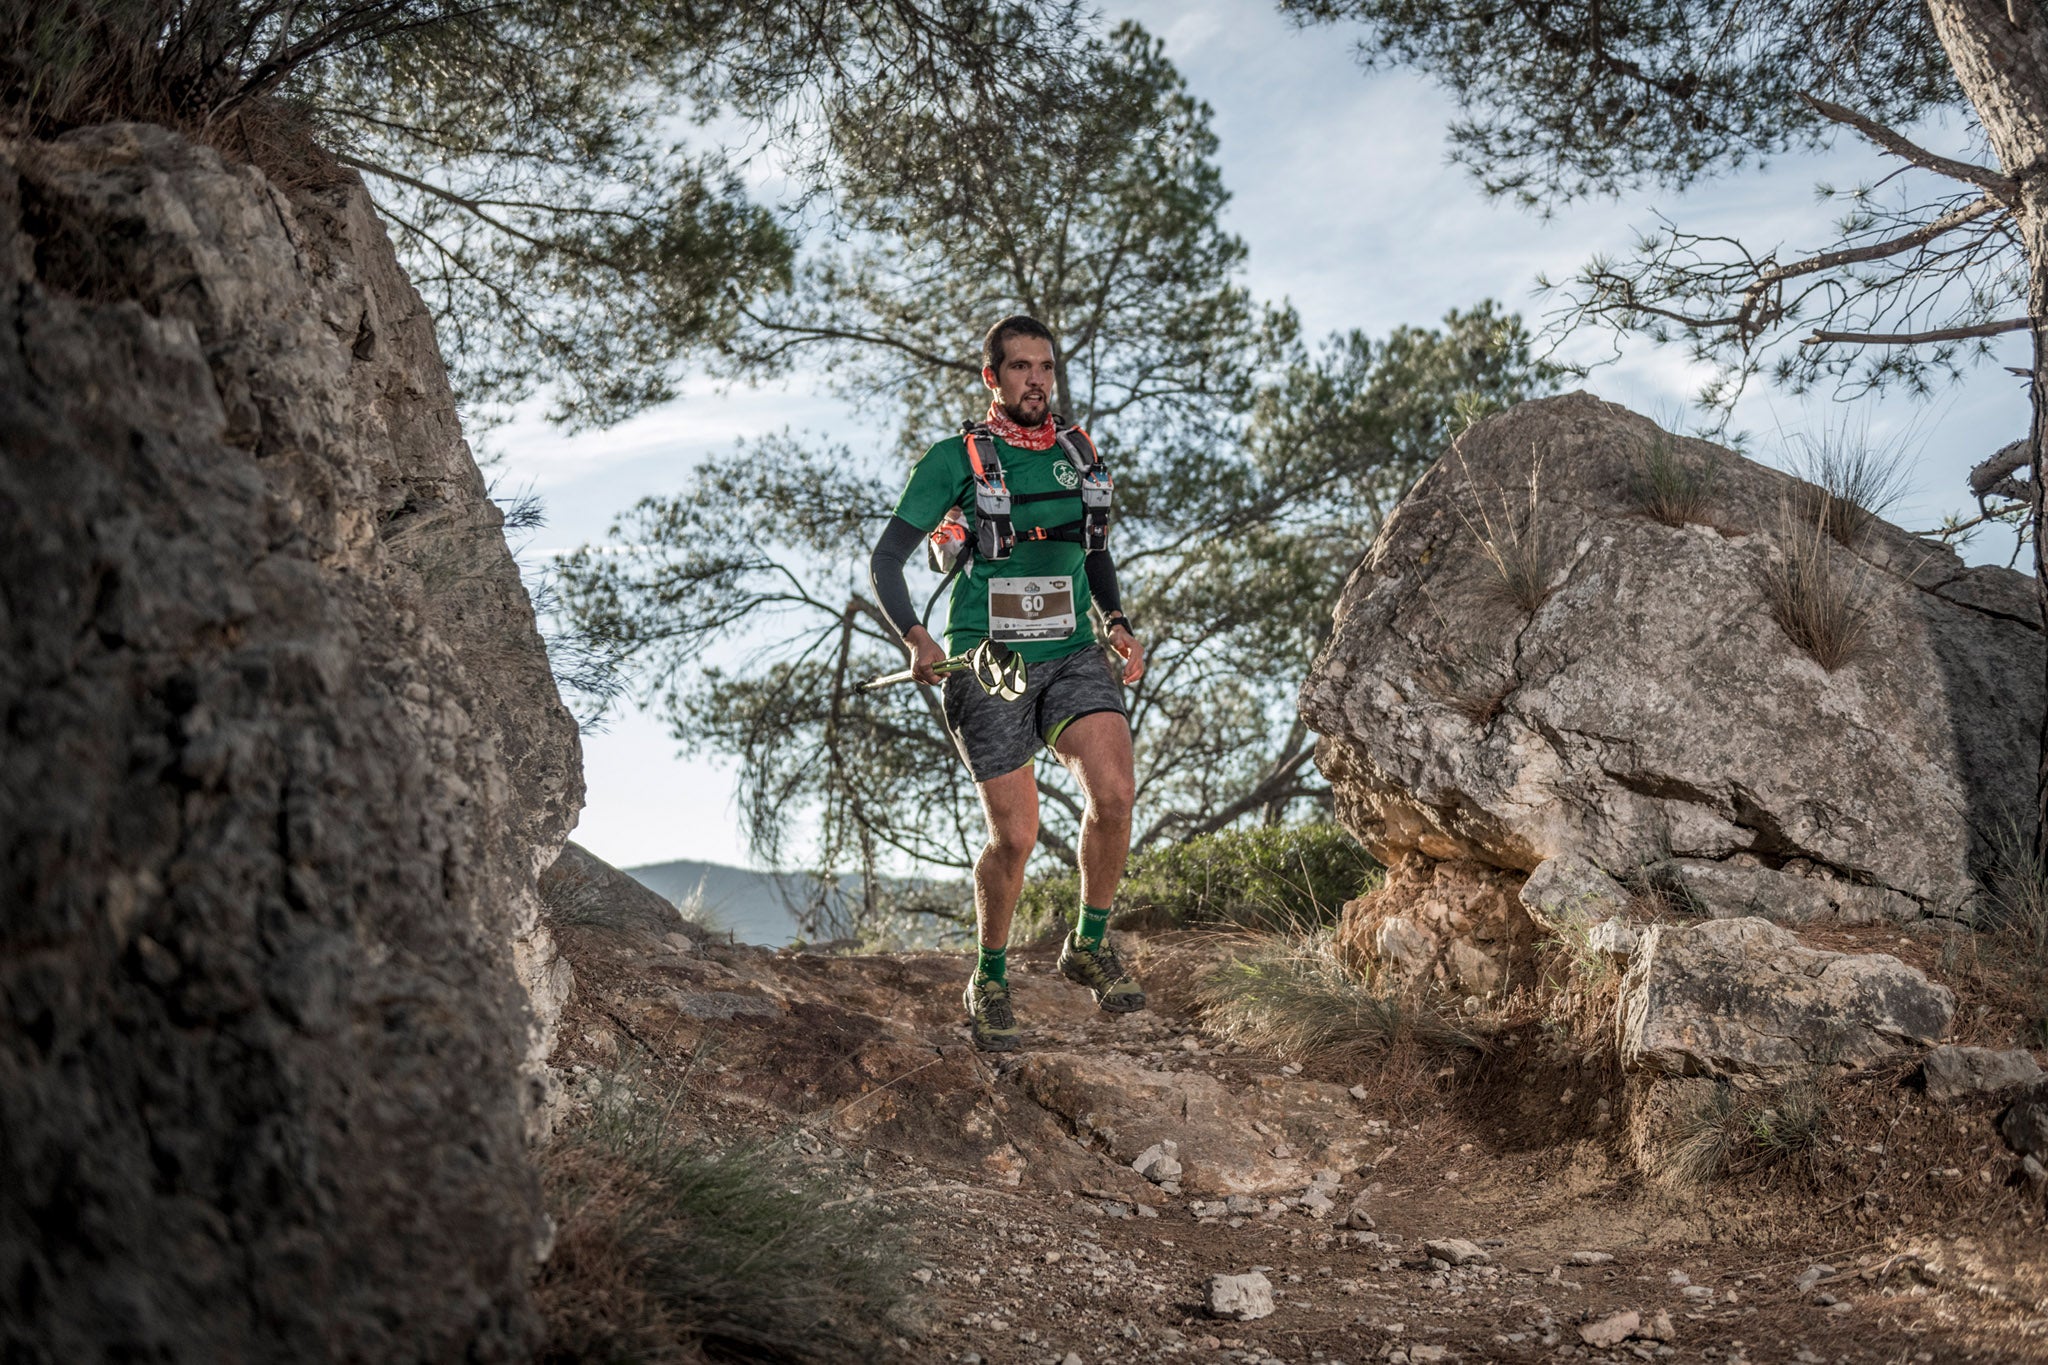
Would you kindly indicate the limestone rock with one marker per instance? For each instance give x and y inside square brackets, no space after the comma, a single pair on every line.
[283,759]
[1159,1163]
[1456,926]
[1456,1251]
[1952,1072]
[1650,707]
[2025,1124]
[1611,1330]
[1744,998]
[1242,1297]
[1741,887]
[581,888]
[1612,937]
[1569,892]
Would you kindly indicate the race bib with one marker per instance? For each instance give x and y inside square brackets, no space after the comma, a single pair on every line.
[1022,609]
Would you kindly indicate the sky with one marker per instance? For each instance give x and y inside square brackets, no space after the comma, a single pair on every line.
[1343,194]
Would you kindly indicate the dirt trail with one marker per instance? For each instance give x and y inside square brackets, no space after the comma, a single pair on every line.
[1039,1243]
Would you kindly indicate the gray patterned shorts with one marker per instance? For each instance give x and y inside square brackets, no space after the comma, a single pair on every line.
[997,737]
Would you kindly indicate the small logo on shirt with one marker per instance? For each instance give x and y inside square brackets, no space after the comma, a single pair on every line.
[1064,472]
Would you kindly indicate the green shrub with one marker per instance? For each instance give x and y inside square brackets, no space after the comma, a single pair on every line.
[1278,877]
[670,1250]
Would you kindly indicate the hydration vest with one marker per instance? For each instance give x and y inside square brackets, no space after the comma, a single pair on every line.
[995,535]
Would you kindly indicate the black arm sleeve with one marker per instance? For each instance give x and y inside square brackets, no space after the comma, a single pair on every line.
[885,571]
[1102,581]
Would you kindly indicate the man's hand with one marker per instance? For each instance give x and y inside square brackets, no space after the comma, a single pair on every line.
[1130,651]
[924,652]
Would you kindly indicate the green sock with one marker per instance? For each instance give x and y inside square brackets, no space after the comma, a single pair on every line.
[1093,925]
[993,965]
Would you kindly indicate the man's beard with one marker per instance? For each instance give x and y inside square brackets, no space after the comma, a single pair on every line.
[1022,415]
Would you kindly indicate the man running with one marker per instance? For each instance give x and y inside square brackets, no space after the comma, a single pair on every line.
[1036,601]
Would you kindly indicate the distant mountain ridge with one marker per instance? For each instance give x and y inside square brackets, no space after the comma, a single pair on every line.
[753,906]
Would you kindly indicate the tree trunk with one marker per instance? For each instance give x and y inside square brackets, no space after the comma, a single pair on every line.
[2000,54]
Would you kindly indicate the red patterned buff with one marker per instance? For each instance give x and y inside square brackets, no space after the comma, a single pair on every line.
[1039,437]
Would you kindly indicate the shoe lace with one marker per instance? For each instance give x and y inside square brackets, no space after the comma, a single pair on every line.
[1106,962]
[994,999]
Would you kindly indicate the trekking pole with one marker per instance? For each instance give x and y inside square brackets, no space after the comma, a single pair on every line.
[999,671]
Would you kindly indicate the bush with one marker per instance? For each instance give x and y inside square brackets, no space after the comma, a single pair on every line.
[2019,893]
[1278,877]
[669,1250]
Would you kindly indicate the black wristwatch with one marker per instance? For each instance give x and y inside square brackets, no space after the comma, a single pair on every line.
[1117,618]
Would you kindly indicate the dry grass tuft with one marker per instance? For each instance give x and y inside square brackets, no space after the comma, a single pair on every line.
[1289,994]
[671,1251]
[1666,486]
[2019,894]
[1852,483]
[1578,986]
[1818,593]
[1524,555]
[1733,1133]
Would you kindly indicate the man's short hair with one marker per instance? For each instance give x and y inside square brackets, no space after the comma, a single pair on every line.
[1017,326]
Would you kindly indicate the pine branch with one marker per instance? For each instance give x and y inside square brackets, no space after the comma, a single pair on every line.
[2001,187]
[1982,329]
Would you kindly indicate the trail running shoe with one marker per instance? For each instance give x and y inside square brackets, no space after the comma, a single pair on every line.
[989,1016]
[1099,970]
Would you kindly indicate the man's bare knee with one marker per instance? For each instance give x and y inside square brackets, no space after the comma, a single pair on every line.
[1110,798]
[1011,840]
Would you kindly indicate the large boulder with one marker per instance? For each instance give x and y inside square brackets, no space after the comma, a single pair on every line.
[282,761]
[1744,1000]
[1649,712]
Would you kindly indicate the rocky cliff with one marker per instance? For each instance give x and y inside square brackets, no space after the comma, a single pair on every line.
[282,760]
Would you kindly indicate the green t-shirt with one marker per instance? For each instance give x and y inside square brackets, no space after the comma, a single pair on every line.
[1044,492]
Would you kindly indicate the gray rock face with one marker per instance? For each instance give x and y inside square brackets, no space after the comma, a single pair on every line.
[1952,1072]
[282,760]
[1651,708]
[1569,892]
[1743,998]
[2025,1125]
